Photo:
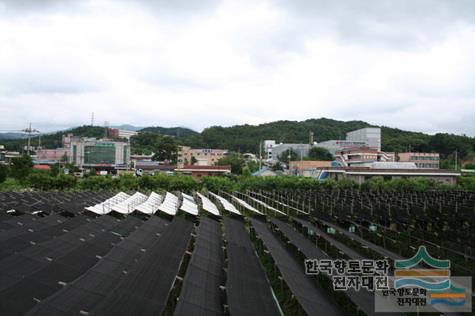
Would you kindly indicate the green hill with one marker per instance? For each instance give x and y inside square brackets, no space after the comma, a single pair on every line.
[178,132]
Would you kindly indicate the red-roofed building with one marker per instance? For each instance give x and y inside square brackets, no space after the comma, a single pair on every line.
[41,167]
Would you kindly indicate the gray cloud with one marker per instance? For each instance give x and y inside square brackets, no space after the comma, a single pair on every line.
[180,5]
[19,7]
[402,24]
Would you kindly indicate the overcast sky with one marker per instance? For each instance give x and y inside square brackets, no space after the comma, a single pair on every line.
[402,63]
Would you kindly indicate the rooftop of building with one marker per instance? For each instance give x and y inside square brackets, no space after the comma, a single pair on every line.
[204,168]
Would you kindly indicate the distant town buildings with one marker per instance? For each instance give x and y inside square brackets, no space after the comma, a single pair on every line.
[198,157]
[422,160]
[120,133]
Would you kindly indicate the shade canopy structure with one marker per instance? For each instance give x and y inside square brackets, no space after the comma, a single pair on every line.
[170,204]
[57,259]
[201,293]
[248,289]
[273,209]
[226,204]
[246,205]
[128,206]
[150,206]
[106,206]
[207,205]
[188,205]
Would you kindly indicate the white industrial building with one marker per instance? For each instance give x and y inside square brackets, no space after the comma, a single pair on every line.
[370,135]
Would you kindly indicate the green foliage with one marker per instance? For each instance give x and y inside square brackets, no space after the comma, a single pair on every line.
[319,153]
[11,184]
[288,155]
[446,144]
[40,180]
[235,160]
[144,143]
[72,168]
[217,183]
[127,183]
[251,166]
[21,167]
[164,147]
[97,183]
[3,173]
[46,182]
[469,166]
[467,183]
[145,183]
[182,183]
[404,184]
[55,170]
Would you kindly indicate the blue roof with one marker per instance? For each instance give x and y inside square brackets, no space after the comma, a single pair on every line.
[261,171]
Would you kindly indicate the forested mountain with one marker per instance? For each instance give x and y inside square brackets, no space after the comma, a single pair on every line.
[178,132]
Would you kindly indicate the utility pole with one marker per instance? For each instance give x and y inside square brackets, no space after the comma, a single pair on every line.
[456,159]
[260,155]
[29,131]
